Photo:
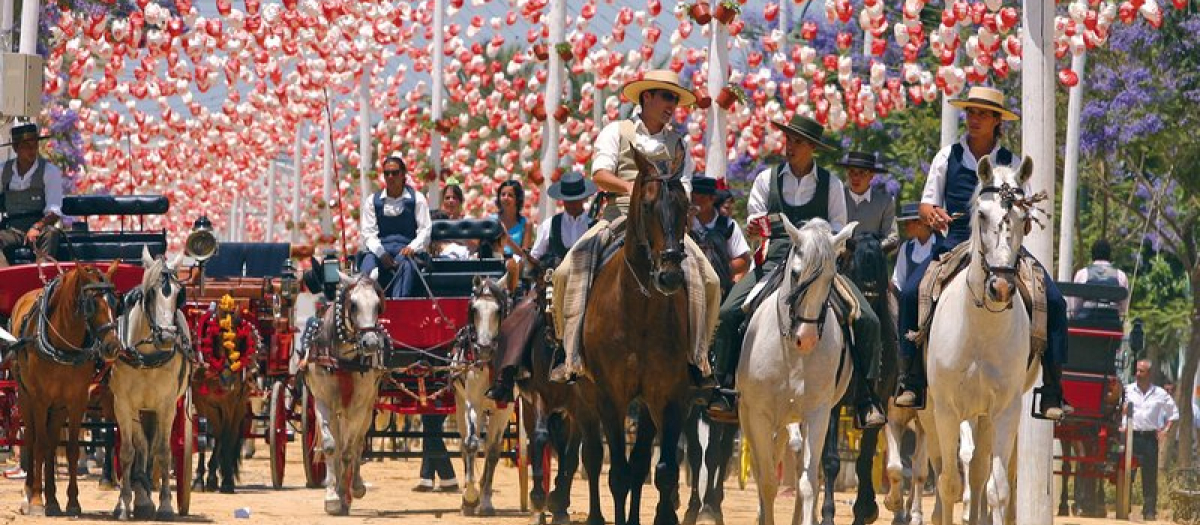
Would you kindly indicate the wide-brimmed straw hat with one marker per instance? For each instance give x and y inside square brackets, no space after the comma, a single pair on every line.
[987,98]
[807,128]
[658,79]
[863,160]
[25,132]
[572,187]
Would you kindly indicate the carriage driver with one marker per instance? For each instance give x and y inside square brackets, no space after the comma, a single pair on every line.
[395,226]
[658,95]
[800,190]
[949,189]
[31,195]
[555,236]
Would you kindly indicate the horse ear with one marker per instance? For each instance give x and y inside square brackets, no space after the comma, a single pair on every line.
[112,269]
[984,171]
[176,261]
[839,240]
[1025,171]
[792,231]
[345,279]
[147,259]
[476,281]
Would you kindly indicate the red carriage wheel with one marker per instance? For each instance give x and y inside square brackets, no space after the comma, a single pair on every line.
[183,444]
[277,438]
[310,436]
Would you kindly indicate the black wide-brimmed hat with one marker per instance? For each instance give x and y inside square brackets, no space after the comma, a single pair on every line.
[25,132]
[909,212]
[572,187]
[807,128]
[863,160]
[702,185]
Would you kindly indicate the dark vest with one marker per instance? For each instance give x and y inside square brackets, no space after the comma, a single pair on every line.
[960,190]
[25,207]
[817,207]
[405,224]
[714,242]
[558,249]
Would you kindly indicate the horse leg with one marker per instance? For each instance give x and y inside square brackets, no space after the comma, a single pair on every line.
[639,461]
[865,509]
[566,438]
[1064,505]
[57,421]
[128,421]
[717,455]
[165,419]
[497,424]
[468,420]
[920,467]
[613,420]
[535,416]
[966,451]
[666,473]
[593,461]
[694,454]
[893,432]
[1003,434]
[979,471]
[336,466]
[831,464]
[766,446]
[950,489]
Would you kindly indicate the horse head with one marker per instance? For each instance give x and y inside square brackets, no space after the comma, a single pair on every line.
[162,297]
[94,298]
[486,309]
[811,267]
[359,305]
[1000,218]
[657,223]
[866,264]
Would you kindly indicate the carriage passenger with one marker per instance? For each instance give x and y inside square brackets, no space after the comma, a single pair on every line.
[868,205]
[1102,272]
[945,203]
[31,195]
[554,238]
[395,227]
[800,190]
[510,201]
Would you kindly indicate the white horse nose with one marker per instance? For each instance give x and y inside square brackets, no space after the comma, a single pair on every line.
[1000,289]
[807,338]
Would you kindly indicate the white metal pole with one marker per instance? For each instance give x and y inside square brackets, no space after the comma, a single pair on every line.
[434,191]
[297,160]
[6,24]
[1066,234]
[364,132]
[718,122]
[1035,439]
[327,188]
[554,88]
[949,122]
[29,26]
[272,174]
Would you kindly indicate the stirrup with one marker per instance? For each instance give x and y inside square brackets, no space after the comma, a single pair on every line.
[1036,412]
[919,395]
[560,375]
[860,421]
[723,414]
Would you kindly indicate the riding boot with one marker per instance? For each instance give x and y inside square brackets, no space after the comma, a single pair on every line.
[912,382]
[722,405]
[502,390]
[1052,405]
[868,409]
[701,381]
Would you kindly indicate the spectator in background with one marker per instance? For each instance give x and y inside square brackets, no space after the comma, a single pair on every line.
[1154,412]
[918,247]
[510,200]
[452,201]
[724,203]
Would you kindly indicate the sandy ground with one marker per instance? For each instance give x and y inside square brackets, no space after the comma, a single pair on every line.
[390,498]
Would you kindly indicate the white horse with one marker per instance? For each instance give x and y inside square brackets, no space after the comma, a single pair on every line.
[977,359]
[475,351]
[789,367]
[345,367]
[146,383]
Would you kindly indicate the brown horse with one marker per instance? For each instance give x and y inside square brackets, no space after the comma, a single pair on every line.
[221,394]
[636,343]
[65,327]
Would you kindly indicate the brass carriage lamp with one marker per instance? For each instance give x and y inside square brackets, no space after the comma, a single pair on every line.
[330,273]
[288,286]
[201,245]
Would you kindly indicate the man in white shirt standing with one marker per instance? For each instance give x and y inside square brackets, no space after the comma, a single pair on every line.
[395,226]
[31,195]
[1153,414]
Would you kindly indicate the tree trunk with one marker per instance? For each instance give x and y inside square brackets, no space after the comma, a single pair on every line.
[1186,387]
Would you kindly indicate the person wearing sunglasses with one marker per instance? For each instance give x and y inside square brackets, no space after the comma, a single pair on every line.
[395,226]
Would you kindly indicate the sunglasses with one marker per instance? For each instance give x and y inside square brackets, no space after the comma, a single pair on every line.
[669,96]
[392,173]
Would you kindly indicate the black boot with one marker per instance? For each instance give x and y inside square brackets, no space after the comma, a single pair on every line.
[701,381]
[912,383]
[722,405]
[502,390]
[868,410]
[1051,404]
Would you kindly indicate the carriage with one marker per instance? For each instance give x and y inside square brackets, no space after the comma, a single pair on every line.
[1095,451]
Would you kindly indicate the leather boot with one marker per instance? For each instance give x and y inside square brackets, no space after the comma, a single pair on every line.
[722,405]
[1051,405]
[502,389]
[912,383]
[868,410]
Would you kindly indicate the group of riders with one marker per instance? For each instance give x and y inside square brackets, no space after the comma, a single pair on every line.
[396,224]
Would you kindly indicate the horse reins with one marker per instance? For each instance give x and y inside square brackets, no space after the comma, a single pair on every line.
[78,355]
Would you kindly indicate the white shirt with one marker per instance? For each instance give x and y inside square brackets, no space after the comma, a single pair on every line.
[797,192]
[736,245]
[935,184]
[570,229]
[608,147]
[1082,276]
[392,207]
[920,252]
[52,178]
[1152,409]
[859,199]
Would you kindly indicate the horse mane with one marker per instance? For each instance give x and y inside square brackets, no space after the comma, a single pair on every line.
[817,252]
[868,264]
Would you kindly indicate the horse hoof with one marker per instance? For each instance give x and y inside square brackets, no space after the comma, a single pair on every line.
[689,517]
[210,486]
[358,491]
[470,496]
[52,509]
[596,520]
[468,510]
[560,518]
[711,515]
[33,510]
[74,509]
[666,518]
[537,501]
[106,485]
[227,488]
[334,508]
[164,515]
[486,511]
[143,512]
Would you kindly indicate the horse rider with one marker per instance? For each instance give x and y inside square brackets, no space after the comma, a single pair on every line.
[869,205]
[919,244]
[717,235]
[945,206]
[800,190]
[658,94]
[555,237]
[395,227]
[31,196]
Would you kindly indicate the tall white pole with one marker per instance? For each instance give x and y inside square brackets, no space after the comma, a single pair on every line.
[6,23]
[327,188]
[364,132]
[949,121]
[272,174]
[434,191]
[1034,499]
[1066,235]
[297,195]
[554,89]
[716,156]
[29,26]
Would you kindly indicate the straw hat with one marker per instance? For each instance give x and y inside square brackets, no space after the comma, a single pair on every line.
[658,79]
[987,98]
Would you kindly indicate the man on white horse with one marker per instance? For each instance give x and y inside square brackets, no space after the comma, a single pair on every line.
[658,94]
[799,190]
[945,206]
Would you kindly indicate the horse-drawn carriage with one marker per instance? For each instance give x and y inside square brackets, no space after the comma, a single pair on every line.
[1094,448]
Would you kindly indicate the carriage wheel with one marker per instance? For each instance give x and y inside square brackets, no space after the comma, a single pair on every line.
[310,435]
[277,432]
[183,445]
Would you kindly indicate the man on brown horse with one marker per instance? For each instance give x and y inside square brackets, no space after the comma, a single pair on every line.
[31,195]
[800,190]
[658,95]
[555,237]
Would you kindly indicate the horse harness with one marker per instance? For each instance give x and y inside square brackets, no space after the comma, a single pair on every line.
[468,352]
[320,340]
[76,356]
[138,297]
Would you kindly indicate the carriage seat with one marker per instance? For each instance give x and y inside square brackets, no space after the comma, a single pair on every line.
[248,259]
[84,205]
[125,246]
[455,277]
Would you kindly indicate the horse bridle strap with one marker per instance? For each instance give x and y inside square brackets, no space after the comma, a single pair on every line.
[76,356]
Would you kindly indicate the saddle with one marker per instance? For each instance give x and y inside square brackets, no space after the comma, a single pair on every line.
[943,269]
[845,304]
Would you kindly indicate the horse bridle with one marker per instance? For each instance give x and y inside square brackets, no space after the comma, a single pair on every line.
[84,306]
[346,331]
[669,254]
[467,336]
[1009,196]
[796,295]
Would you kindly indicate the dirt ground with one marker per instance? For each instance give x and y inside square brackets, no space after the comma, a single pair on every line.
[390,498]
